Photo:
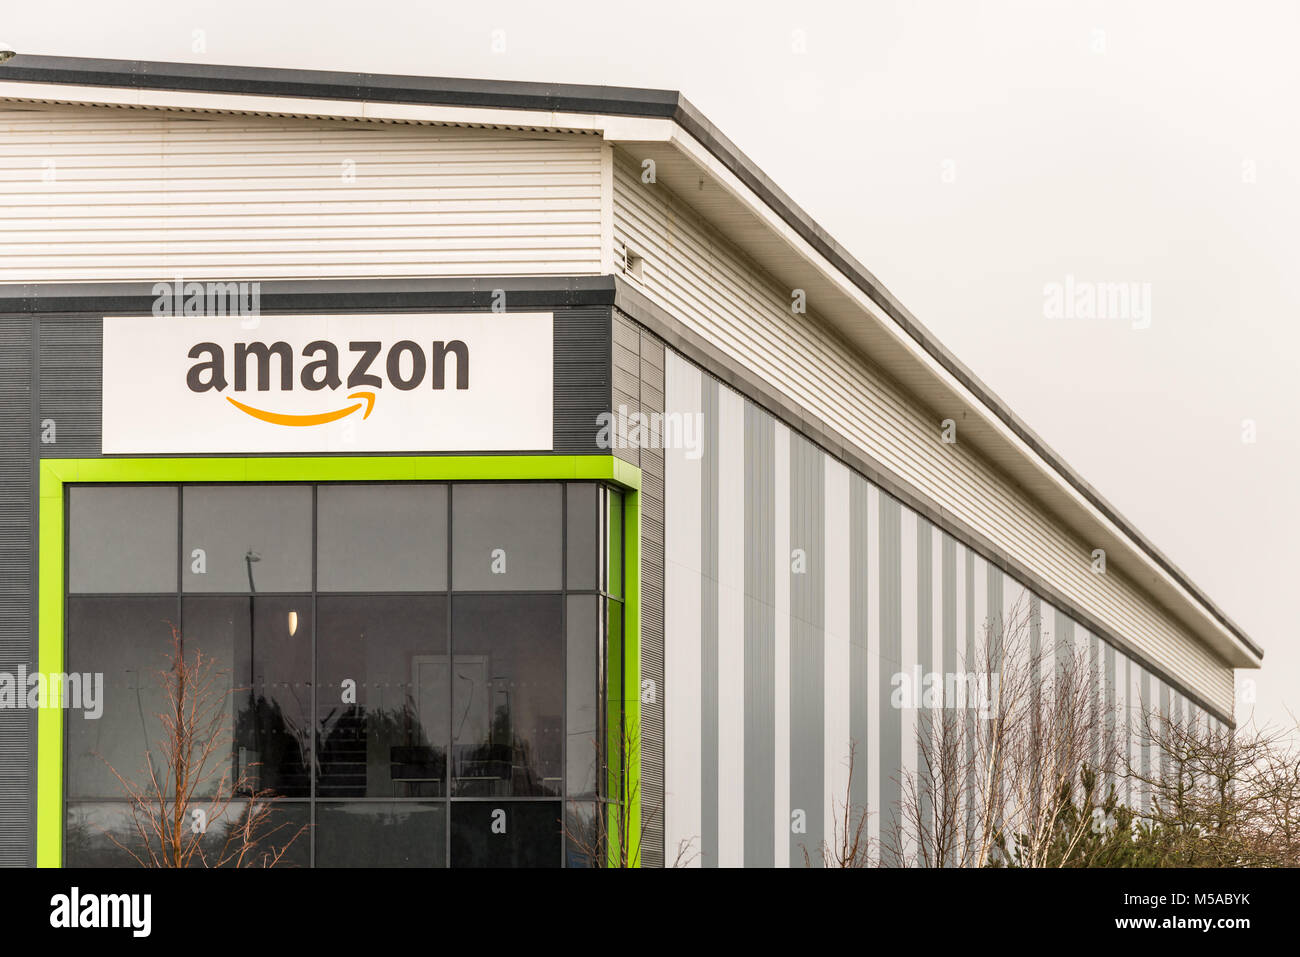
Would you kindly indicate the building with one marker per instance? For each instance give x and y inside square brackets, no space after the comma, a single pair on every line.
[469,422]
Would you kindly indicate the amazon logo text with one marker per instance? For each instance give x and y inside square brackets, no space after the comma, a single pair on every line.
[322,366]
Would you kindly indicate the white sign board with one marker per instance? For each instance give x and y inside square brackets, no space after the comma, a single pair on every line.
[377,383]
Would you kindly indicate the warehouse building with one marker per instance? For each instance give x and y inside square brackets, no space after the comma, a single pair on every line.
[524,457]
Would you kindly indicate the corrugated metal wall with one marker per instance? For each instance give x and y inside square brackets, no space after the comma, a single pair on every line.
[638,386]
[773,672]
[95,193]
[17,585]
[715,291]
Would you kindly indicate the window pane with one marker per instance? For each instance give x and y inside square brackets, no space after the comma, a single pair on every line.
[380,834]
[584,841]
[617,735]
[382,700]
[272,673]
[103,835]
[121,539]
[382,538]
[505,834]
[100,835]
[507,695]
[506,537]
[582,547]
[614,546]
[128,641]
[583,748]
[249,538]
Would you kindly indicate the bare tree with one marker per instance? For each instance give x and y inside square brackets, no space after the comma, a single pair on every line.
[612,834]
[174,804]
[850,844]
[997,777]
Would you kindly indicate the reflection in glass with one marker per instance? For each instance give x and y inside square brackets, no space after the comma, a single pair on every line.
[128,641]
[505,834]
[103,834]
[381,834]
[584,841]
[582,750]
[272,673]
[382,699]
[251,538]
[582,547]
[507,695]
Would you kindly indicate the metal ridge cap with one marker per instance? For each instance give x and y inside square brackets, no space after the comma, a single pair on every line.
[342,85]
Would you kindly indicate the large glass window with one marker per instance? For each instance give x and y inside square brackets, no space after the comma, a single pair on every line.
[382,702]
[418,673]
[507,695]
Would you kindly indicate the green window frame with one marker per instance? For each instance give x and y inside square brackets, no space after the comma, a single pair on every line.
[56,473]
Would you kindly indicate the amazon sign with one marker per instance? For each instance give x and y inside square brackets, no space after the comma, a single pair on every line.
[381,383]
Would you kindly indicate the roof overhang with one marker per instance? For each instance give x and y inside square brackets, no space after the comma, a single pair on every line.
[694,160]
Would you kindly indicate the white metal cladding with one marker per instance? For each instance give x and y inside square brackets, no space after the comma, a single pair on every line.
[877,556]
[691,270]
[96,193]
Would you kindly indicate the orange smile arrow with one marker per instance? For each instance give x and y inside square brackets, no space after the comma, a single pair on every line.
[321,418]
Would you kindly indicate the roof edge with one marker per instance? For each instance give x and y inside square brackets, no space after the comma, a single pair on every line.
[601,100]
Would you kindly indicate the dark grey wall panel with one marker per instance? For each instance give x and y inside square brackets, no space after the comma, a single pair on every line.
[17,586]
[71,397]
[581,371]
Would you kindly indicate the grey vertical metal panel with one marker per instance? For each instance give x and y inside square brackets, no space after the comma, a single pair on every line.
[970,662]
[17,586]
[71,396]
[1143,720]
[925,625]
[1095,679]
[1064,653]
[994,622]
[1166,715]
[760,636]
[861,720]
[891,662]
[709,631]
[950,610]
[807,668]
[1110,702]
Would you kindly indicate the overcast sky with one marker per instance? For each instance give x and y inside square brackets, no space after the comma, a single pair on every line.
[968,153]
